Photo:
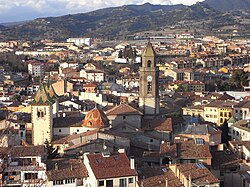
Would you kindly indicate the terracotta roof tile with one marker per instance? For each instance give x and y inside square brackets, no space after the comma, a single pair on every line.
[66,169]
[124,109]
[156,177]
[164,124]
[22,151]
[116,165]
[199,174]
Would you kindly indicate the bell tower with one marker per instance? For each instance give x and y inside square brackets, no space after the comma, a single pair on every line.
[42,116]
[149,83]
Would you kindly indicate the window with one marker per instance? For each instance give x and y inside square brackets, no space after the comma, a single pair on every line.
[58,182]
[59,130]
[123,183]
[40,114]
[124,117]
[68,181]
[130,180]
[109,183]
[101,183]
[237,133]
[149,63]
[29,176]
[149,87]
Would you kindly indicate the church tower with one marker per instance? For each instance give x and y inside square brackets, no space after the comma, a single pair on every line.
[149,78]
[42,116]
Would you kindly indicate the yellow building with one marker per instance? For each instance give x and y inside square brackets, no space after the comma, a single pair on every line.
[218,111]
[194,111]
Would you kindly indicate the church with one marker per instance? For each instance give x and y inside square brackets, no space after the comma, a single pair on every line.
[125,117]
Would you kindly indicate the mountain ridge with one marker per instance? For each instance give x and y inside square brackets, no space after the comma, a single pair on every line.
[118,21]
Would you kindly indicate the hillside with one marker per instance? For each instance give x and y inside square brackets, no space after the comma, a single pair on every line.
[119,21]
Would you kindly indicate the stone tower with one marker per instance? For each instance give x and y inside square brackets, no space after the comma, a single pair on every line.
[149,78]
[42,114]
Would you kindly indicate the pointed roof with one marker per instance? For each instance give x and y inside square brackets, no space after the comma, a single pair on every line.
[42,97]
[232,120]
[124,109]
[50,90]
[148,51]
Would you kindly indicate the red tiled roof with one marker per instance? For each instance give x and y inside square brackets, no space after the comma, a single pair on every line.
[199,175]
[66,169]
[190,150]
[156,177]
[22,151]
[116,165]
[124,109]
[165,124]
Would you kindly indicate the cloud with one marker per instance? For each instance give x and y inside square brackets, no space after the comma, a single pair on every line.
[16,10]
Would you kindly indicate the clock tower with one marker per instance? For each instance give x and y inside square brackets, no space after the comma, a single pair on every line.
[149,100]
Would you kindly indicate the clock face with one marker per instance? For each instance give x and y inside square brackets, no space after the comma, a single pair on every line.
[149,78]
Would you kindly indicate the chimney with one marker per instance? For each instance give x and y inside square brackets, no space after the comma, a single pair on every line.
[132,162]
[178,149]
[166,182]
[56,166]
[71,167]
[189,181]
[121,150]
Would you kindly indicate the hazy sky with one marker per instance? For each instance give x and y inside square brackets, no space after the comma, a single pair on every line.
[17,10]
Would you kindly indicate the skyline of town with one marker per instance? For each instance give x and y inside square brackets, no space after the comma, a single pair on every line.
[126,101]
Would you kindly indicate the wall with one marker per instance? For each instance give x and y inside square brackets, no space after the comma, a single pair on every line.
[133,120]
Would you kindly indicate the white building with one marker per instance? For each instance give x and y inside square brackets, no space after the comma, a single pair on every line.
[240,130]
[66,172]
[36,69]
[93,75]
[24,166]
[80,41]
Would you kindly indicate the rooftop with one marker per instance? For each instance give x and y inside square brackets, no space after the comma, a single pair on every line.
[59,169]
[124,109]
[113,166]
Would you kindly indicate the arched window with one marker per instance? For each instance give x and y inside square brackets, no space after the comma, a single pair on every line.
[40,114]
[149,63]
[149,86]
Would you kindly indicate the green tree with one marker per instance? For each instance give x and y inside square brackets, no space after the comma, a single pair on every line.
[16,97]
[225,130]
[239,78]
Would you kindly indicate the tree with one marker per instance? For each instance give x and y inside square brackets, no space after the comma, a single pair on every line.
[16,97]
[239,78]
[225,130]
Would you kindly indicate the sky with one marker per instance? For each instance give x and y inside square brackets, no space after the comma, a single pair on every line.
[19,10]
